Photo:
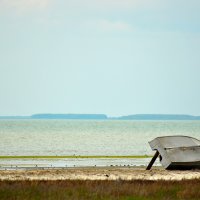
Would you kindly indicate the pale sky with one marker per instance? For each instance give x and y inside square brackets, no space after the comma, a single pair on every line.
[99,56]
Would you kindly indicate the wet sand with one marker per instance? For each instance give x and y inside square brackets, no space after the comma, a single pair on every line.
[98,173]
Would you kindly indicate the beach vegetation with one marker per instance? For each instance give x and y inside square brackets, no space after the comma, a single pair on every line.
[95,190]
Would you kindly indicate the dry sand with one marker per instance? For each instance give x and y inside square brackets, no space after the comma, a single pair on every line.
[98,173]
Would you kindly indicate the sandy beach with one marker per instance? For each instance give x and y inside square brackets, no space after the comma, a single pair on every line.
[98,173]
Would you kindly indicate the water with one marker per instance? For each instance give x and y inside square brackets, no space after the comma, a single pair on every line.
[68,137]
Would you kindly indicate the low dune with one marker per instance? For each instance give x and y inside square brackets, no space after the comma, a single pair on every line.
[98,173]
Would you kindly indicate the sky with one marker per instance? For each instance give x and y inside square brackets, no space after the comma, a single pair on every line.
[99,56]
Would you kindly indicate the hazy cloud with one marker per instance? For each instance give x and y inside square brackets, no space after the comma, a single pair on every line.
[107,25]
[104,25]
[23,5]
[114,4]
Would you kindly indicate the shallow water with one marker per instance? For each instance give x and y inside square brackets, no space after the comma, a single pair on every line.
[100,162]
[72,137]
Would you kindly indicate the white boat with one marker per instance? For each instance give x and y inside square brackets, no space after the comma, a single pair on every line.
[176,152]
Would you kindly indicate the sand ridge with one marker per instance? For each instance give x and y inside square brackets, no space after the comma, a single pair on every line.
[98,173]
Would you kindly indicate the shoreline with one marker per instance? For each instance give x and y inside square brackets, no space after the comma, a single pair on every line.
[74,156]
[74,162]
[98,173]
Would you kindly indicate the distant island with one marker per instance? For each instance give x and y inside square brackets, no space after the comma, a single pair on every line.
[105,117]
[69,116]
[158,117]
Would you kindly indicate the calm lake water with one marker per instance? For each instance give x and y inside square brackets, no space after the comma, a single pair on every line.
[67,137]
